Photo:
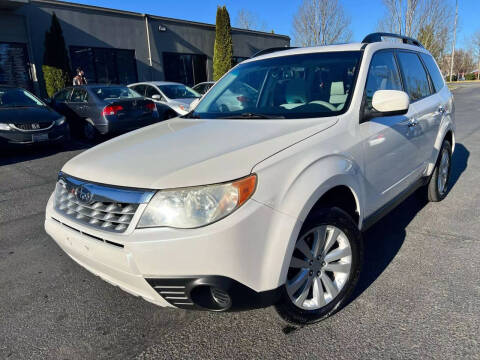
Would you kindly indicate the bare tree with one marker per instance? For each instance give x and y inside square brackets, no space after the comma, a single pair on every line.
[321,22]
[427,20]
[476,50]
[248,20]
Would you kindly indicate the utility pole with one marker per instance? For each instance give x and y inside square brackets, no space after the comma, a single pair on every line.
[454,39]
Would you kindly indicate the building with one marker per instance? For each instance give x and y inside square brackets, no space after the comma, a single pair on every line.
[114,46]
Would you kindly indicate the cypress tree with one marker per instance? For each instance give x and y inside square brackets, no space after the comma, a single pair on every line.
[223,48]
[56,68]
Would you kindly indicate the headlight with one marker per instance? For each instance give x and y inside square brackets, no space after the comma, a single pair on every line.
[196,206]
[60,121]
[5,127]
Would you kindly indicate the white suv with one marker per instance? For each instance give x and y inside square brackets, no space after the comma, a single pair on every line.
[228,209]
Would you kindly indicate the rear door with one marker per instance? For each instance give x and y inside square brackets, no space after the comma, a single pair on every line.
[387,140]
[79,102]
[425,104]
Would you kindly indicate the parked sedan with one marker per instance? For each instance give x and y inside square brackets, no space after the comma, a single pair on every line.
[203,87]
[104,109]
[25,119]
[176,95]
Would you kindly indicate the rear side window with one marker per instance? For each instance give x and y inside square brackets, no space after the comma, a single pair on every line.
[63,95]
[140,89]
[414,74]
[432,68]
[151,91]
[382,75]
[79,95]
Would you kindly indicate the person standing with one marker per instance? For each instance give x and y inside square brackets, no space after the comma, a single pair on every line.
[80,79]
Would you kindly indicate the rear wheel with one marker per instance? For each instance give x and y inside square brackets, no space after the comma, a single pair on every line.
[324,268]
[437,187]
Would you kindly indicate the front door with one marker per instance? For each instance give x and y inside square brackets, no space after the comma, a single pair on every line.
[388,147]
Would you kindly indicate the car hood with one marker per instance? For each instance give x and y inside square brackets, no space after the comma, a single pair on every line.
[188,152]
[24,115]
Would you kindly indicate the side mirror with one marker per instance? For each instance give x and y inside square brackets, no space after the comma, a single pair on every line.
[390,102]
[157,97]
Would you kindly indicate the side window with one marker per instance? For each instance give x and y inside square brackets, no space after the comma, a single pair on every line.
[414,74]
[151,91]
[63,95]
[139,89]
[79,95]
[382,75]
[432,68]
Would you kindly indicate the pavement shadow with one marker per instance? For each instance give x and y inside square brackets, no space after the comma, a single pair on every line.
[384,239]
[18,154]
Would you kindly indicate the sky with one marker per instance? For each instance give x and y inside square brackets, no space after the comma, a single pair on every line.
[278,14]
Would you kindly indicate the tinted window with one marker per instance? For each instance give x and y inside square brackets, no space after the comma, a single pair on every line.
[296,86]
[140,89]
[382,75]
[114,92]
[432,67]
[414,74]
[63,95]
[79,95]
[179,91]
[151,91]
[18,98]
[201,89]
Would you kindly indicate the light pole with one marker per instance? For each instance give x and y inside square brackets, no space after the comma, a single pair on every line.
[454,36]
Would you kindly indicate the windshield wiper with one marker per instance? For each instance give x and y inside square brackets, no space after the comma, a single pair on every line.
[191,115]
[253,116]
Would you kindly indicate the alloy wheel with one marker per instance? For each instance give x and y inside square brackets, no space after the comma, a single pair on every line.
[443,172]
[320,267]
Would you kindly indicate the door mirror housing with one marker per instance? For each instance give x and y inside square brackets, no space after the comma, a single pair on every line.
[390,102]
[157,97]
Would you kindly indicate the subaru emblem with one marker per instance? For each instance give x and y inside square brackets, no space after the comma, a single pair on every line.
[83,195]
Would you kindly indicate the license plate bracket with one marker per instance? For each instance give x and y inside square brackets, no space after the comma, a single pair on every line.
[39,137]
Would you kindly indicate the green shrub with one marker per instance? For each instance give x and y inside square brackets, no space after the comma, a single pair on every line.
[470,77]
[223,47]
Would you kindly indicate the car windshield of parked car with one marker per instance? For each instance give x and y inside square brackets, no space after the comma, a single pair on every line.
[295,86]
[114,92]
[179,91]
[18,98]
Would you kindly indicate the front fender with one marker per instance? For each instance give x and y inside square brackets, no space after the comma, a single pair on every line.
[299,184]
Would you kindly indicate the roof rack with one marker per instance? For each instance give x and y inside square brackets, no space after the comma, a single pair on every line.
[377,37]
[271,50]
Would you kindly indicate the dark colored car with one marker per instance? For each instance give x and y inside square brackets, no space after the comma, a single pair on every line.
[25,119]
[104,109]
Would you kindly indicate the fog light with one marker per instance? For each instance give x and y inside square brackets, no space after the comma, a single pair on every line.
[222,299]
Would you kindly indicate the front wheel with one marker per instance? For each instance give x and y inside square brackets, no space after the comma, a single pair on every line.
[437,187]
[324,268]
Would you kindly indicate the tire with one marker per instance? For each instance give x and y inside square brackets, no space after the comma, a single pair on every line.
[330,224]
[89,132]
[437,187]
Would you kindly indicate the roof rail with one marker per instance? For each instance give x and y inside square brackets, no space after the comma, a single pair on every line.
[271,50]
[377,37]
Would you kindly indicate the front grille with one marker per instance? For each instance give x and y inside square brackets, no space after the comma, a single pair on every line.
[100,207]
[34,126]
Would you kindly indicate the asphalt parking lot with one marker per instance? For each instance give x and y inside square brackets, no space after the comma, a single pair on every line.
[419,296]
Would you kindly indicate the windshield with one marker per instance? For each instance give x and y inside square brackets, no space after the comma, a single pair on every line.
[115,92]
[18,98]
[179,91]
[296,86]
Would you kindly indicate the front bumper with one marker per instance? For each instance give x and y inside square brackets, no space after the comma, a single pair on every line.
[16,137]
[236,254]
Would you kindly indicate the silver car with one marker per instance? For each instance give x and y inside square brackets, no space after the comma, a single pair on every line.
[176,95]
